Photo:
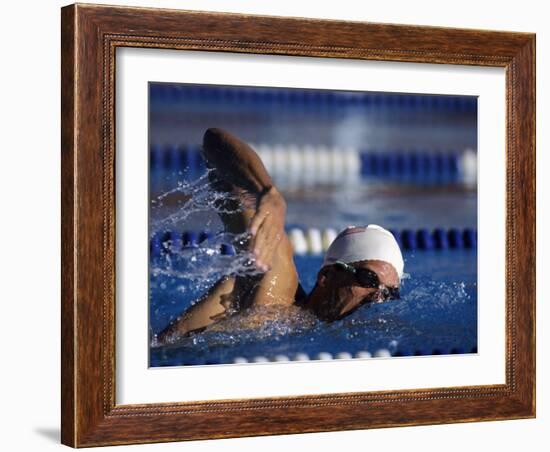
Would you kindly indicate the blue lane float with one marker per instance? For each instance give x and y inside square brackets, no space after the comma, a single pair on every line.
[261,98]
[190,239]
[438,239]
[435,351]
[324,164]
[455,238]
[227,250]
[327,356]
[184,160]
[313,241]
[156,247]
[412,165]
[205,236]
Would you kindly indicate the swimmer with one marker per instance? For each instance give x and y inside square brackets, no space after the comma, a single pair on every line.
[362,265]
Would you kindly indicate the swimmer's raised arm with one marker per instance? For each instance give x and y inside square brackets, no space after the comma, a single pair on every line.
[237,163]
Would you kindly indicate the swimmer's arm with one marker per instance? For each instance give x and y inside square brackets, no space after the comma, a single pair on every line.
[227,297]
[237,163]
[279,284]
[210,307]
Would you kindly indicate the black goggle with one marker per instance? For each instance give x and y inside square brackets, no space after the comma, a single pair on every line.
[369,279]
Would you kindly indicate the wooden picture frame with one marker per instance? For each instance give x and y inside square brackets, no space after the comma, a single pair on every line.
[90,36]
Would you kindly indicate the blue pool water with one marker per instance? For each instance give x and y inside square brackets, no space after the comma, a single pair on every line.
[393,205]
[406,176]
[437,313]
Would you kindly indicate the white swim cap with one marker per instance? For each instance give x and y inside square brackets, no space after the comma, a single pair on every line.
[365,243]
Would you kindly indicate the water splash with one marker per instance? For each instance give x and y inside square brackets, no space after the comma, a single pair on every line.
[204,264]
[186,272]
[264,321]
[430,311]
[272,322]
[191,197]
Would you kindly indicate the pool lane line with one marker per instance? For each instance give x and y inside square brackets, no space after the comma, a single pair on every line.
[292,165]
[327,356]
[362,354]
[163,95]
[314,242]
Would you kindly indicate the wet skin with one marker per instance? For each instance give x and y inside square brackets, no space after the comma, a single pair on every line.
[239,171]
[337,294]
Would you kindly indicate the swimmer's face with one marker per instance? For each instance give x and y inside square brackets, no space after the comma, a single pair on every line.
[340,292]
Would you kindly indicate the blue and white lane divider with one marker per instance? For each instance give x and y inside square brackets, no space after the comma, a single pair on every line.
[321,356]
[177,158]
[362,354]
[162,93]
[315,241]
[298,166]
[327,356]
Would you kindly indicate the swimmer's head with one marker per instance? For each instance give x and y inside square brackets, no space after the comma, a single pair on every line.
[362,265]
[370,242]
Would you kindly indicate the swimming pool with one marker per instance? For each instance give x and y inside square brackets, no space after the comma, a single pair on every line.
[437,312]
[419,181]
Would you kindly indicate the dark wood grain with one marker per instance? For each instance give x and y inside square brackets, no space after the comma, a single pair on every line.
[90,36]
[68,299]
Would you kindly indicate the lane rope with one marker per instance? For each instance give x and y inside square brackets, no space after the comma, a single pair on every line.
[309,99]
[299,166]
[327,356]
[315,242]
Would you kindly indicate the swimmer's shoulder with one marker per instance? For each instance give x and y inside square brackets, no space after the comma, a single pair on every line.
[300,296]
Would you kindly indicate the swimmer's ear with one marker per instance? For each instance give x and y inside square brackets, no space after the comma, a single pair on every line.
[322,277]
